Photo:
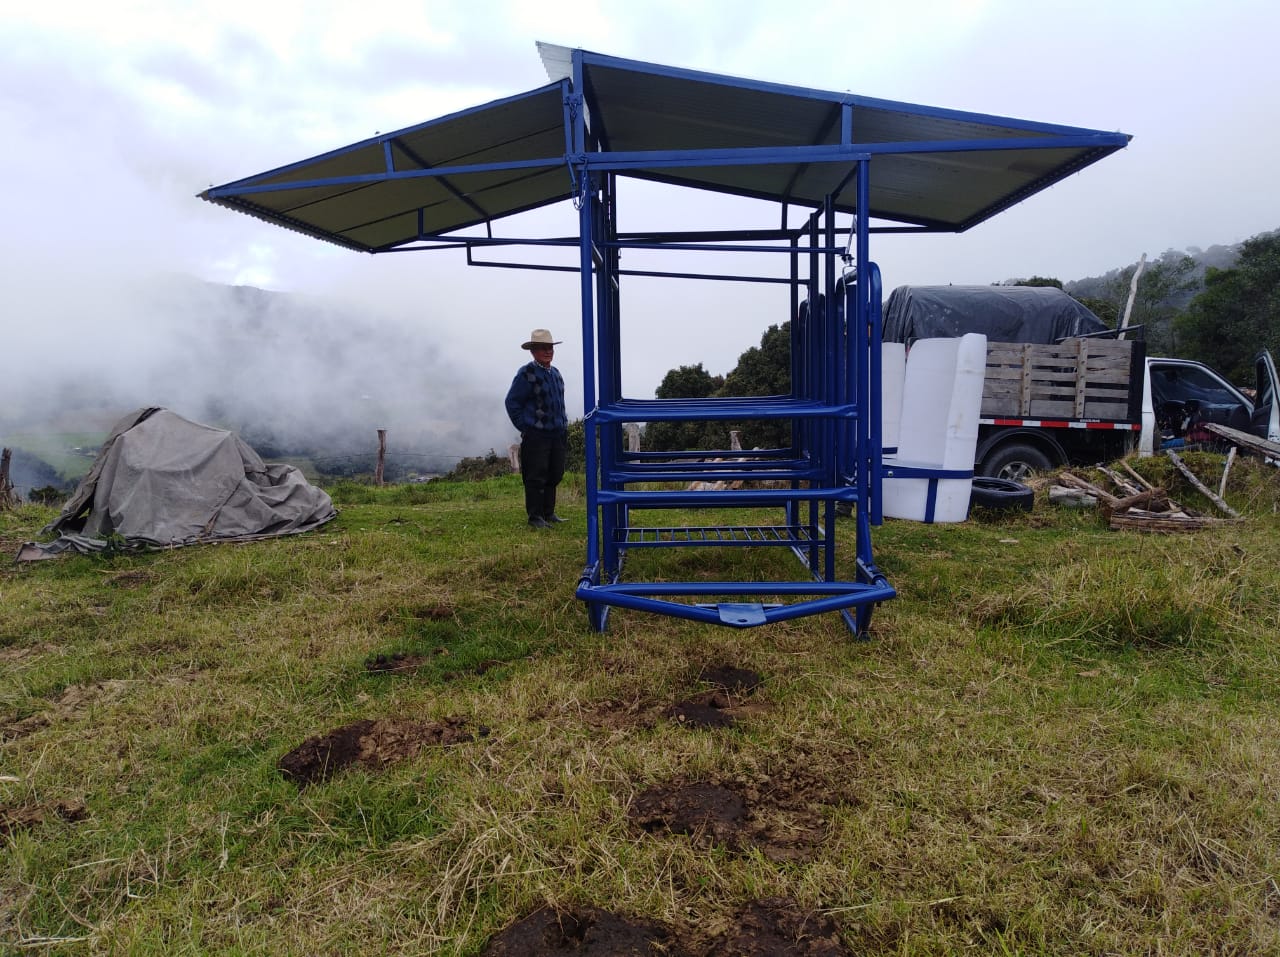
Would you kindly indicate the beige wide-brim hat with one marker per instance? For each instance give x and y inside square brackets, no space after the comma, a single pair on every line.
[540,337]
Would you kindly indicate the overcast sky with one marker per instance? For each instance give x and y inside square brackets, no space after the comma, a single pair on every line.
[115,115]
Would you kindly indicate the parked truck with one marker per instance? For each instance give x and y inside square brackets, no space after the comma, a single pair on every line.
[1062,389]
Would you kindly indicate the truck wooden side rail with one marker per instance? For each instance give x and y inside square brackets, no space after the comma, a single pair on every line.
[1045,405]
[1082,378]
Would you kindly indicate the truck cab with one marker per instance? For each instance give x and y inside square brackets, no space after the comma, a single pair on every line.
[1180,394]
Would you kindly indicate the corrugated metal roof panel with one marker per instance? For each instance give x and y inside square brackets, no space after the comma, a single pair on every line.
[933,168]
[371,195]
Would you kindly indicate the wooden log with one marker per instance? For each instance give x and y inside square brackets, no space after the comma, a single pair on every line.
[1155,500]
[1141,481]
[1200,486]
[1071,497]
[1226,469]
[1075,481]
[1146,522]
[1133,294]
[1252,443]
[1127,487]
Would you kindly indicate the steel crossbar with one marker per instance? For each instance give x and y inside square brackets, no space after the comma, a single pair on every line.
[672,535]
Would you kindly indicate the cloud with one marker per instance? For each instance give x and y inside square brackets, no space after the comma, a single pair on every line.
[116,116]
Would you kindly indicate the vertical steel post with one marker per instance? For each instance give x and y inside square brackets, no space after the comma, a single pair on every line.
[575,120]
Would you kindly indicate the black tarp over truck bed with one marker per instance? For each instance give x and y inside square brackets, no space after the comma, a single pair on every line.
[1054,391]
[1043,314]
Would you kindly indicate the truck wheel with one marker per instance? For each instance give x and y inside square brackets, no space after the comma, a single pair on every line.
[1015,462]
[1000,493]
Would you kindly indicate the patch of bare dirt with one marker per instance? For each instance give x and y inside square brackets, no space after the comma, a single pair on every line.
[618,714]
[723,704]
[699,809]
[399,662]
[727,701]
[21,727]
[782,808]
[373,744]
[585,931]
[777,927]
[774,927]
[18,652]
[13,819]
[712,710]
[732,816]
[78,697]
[67,704]
[730,679]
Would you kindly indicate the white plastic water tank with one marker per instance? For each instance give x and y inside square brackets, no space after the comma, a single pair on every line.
[893,369]
[941,405]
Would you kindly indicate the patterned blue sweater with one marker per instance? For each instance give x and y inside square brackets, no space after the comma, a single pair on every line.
[535,401]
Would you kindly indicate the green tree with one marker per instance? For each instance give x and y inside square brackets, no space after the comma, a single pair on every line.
[1238,312]
[688,382]
[684,382]
[761,371]
[1164,289]
[1104,309]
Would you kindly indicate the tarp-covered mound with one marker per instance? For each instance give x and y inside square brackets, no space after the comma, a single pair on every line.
[162,481]
[1042,314]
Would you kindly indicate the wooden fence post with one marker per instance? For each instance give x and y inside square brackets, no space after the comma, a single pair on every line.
[382,456]
[8,499]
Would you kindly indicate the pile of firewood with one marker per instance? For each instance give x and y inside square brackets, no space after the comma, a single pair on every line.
[1137,504]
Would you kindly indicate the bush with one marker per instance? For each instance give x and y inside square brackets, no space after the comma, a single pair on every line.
[480,467]
[48,495]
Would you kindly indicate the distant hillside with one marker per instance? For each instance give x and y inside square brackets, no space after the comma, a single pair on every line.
[299,379]
[1115,283]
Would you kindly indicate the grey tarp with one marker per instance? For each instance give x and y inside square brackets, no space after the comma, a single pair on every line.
[1042,314]
[161,481]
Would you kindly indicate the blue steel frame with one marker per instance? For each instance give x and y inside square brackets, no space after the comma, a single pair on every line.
[833,410]
[835,456]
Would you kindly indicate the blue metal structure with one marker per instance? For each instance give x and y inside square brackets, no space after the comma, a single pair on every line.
[834,456]
[851,166]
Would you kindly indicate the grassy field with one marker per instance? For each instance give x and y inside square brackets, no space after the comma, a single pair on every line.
[1059,740]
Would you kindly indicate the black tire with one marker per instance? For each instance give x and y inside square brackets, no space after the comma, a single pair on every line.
[1001,493]
[1015,462]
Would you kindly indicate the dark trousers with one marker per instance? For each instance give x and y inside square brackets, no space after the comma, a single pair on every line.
[541,468]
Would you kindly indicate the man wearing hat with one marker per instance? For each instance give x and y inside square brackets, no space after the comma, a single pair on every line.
[535,405]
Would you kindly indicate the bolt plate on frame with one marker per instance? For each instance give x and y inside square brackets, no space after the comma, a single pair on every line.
[740,614]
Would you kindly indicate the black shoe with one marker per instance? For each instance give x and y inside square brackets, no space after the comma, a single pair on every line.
[538,522]
[553,519]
